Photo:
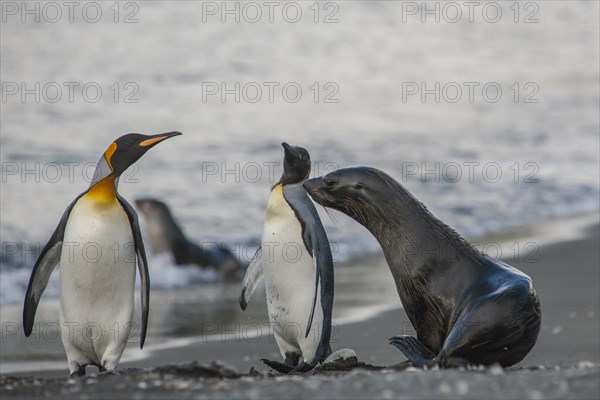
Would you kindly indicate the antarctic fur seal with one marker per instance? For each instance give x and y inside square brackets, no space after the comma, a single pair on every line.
[466,307]
[166,236]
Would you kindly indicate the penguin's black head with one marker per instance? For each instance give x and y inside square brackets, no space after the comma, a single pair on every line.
[296,164]
[127,149]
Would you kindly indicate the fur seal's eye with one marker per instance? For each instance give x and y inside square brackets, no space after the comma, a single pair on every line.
[359,186]
[329,182]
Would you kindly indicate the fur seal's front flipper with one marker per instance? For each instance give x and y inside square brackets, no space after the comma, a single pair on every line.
[414,350]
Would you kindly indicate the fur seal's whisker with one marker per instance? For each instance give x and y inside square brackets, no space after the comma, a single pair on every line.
[330,214]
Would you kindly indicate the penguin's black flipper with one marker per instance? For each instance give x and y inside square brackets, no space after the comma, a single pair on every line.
[142,264]
[279,367]
[316,242]
[314,302]
[45,264]
[254,274]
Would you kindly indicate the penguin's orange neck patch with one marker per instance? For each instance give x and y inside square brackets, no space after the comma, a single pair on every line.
[103,191]
[109,153]
[276,201]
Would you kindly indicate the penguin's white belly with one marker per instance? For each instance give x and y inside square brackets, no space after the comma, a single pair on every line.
[97,283]
[290,283]
[289,274]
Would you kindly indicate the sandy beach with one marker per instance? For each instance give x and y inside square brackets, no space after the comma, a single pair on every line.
[565,363]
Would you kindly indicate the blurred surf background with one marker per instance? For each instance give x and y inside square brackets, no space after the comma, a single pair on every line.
[502,160]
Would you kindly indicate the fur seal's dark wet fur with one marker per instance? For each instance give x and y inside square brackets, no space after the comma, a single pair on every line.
[166,236]
[466,308]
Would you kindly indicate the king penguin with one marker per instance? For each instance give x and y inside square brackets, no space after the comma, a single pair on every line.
[295,261]
[96,243]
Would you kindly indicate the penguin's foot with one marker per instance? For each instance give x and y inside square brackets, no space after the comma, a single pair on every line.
[303,367]
[279,367]
[414,350]
[289,369]
[78,373]
[109,372]
[292,359]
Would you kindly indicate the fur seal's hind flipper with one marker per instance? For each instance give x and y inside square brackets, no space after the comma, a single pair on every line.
[279,367]
[414,350]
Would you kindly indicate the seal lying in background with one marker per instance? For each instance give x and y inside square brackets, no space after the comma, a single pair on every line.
[166,236]
[466,307]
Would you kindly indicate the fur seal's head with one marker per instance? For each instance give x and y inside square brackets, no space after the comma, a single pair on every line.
[296,164]
[163,231]
[359,192]
[150,207]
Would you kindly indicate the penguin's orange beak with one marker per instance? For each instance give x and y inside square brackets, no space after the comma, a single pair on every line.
[158,139]
[150,142]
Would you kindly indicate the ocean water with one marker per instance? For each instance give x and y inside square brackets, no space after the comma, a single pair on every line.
[491,123]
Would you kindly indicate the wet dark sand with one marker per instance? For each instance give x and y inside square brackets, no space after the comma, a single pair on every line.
[563,364]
